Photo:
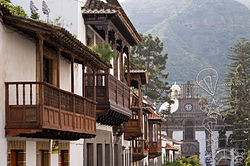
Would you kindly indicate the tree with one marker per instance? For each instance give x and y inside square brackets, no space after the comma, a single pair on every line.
[189,161]
[105,51]
[247,160]
[203,103]
[148,55]
[238,98]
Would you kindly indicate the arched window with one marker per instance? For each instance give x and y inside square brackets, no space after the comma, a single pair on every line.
[189,130]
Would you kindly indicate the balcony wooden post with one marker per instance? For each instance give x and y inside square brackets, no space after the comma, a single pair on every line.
[72,76]
[41,96]
[41,101]
[58,85]
[160,134]
[128,69]
[7,103]
[121,66]
[106,36]
[139,93]
[41,58]
[58,67]
[94,85]
[157,132]
[107,84]
[83,80]
[24,115]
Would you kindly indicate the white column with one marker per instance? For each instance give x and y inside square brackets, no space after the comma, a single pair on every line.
[200,136]
[214,146]
[30,153]
[76,153]
[54,159]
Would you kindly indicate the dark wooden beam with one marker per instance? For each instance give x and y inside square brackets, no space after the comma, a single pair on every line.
[58,67]
[41,57]
[83,80]
[72,76]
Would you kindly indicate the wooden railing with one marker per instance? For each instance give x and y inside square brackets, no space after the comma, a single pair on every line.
[108,90]
[135,101]
[140,147]
[154,146]
[33,105]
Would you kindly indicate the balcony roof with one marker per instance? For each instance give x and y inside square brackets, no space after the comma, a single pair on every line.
[142,74]
[171,147]
[54,35]
[171,139]
[156,117]
[112,7]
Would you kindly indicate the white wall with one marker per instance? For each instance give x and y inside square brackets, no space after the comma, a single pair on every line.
[65,74]
[178,135]
[81,26]
[14,48]
[200,136]
[69,10]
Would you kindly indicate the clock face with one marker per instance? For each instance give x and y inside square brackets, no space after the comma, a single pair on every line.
[188,107]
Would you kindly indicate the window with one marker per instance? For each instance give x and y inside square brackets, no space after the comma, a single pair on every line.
[189,130]
[107,154]
[64,158]
[90,154]
[116,154]
[17,158]
[47,70]
[99,154]
[43,158]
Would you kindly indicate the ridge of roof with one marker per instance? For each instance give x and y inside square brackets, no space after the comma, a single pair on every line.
[97,6]
[110,7]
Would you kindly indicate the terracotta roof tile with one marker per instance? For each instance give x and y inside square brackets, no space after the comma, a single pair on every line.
[99,7]
[155,116]
[171,147]
[60,35]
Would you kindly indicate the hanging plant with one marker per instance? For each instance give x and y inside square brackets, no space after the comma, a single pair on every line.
[105,51]
[17,10]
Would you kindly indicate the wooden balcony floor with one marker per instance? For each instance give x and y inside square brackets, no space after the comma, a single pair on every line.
[113,99]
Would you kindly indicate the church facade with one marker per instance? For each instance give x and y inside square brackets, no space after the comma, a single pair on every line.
[187,122]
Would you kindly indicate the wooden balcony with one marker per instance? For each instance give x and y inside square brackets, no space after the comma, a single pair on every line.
[155,149]
[140,149]
[113,99]
[40,110]
[134,127]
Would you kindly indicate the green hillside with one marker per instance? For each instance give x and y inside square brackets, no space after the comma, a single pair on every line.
[196,33]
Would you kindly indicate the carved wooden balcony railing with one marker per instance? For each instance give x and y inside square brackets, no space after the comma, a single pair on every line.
[155,149]
[112,98]
[140,149]
[134,127]
[40,110]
